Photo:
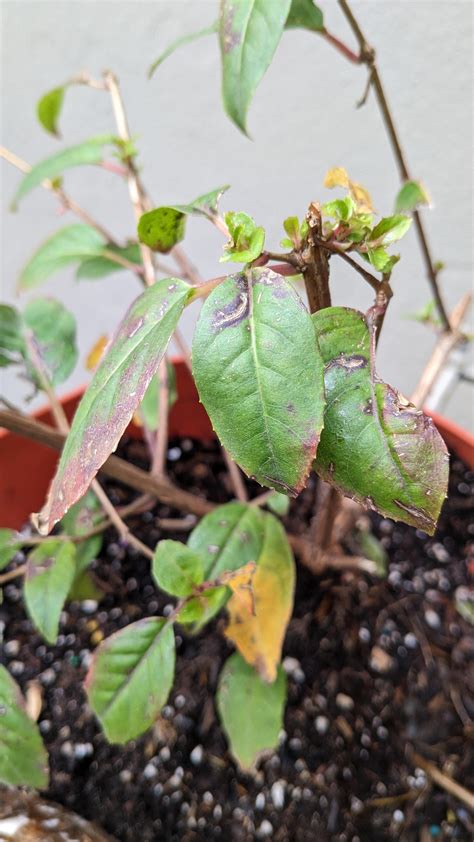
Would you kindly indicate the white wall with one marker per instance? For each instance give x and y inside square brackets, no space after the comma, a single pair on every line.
[302,121]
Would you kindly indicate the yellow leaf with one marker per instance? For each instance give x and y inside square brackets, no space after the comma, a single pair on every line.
[240,583]
[336,177]
[258,629]
[361,197]
[96,353]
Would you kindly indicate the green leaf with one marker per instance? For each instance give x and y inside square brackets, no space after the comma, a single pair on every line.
[279,504]
[380,259]
[160,229]
[99,267]
[411,196]
[150,405]
[53,329]
[9,546]
[304,14]
[226,539]
[375,447]
[79,520]
[340,208]
[390,229]
[131,677]
[251,711]
[23,759]
[50,572]
[115,391]
[89,152]
[180,42]
[176,569]
[249,33]
[12,344]
[68,245]
[49,110]
[259,374]
[292,228]
[246,240]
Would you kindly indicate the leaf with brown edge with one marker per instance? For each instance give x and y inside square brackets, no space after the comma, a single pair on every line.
[376,447]
[257,626]
[114,393]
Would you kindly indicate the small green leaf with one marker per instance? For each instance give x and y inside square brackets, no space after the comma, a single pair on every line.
[390,229]
[54,332]
[205,205]
[292,228]
[66,246]
[49,575]
[9,546]
[259,374]
[246,240]
[89,152]
[131,677]
[249,33]
[251,710]
[286,243]
[279,504]
[304,14]
[99,267]
[380,259]
[12,344]
[176,569]
[341,209]
[180,42]
[23,759]
[115,392]
[411,196]
[49,110]
[375,447]
[249,253]
[160,229]
[150,405]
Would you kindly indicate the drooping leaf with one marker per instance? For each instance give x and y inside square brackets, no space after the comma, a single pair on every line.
[49,110]
[176,569]
[160,229]
[390,229]
[115,392]
[69,245]
[375,447]
[226,539]
[251,711]
[89,152]
[93,268]
[150,405]
[180,42]
[258,634]
[9,546]
[12,344]
[259,374]
[53,330]
[411,196]
[23,759]
[304,14]
[249,33]
[49,575]
[130,678]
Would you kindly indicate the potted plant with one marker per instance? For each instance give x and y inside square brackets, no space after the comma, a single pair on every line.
[297,411]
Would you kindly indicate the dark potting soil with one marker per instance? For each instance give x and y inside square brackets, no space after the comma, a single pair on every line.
[377,669]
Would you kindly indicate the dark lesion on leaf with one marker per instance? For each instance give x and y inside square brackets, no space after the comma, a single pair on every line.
[417,513]
[33,570]
[354,362]
[229,37]
[235,311]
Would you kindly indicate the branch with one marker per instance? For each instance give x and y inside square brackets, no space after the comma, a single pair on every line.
[367,56]
[334,249]
[444,781]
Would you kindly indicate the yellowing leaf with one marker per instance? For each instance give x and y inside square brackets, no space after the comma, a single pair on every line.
[96,353]
[336,177]
[257,627]
[361,197]
[240,583]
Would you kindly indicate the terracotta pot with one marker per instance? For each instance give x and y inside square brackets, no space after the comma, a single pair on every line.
[27,467]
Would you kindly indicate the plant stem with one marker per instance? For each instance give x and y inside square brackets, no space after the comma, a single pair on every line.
[334,249]
[314,264]
[66,201]
[367,56]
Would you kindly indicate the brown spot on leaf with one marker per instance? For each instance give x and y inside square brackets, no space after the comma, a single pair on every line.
[237,310]
[350,363]
[229,37]
[418,514]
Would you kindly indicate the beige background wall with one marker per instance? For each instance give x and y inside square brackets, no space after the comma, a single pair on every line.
[302,121]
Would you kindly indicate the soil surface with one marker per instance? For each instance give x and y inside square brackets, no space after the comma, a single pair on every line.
[377,669]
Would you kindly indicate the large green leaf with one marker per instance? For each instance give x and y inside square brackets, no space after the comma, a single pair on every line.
[130,678]
[49,109]
[12,344]
[176,569]
[260,376]
[376,447]
[99,267]
[304,14]
[180,42]
[89,152]
[68,245]
[250,709]
[249,33]
[115,391]
[53,330]
[23,759]
[50,571]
